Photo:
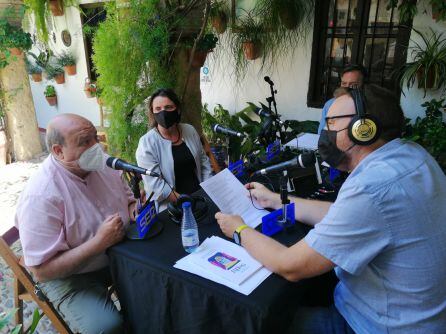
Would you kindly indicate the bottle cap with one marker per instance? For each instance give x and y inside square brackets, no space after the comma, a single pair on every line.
[186,205]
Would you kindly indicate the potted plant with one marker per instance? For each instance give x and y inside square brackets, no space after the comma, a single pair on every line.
[56,7]
[219,16]
[55,72]
[428,63]
[249,36]
[35,72]
[50,94]
[68,62]
[205,45]
[290,13]
[438,10]
[89,88]
[13,40]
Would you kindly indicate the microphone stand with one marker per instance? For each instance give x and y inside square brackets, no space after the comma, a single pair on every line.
[272,99]
[284,221]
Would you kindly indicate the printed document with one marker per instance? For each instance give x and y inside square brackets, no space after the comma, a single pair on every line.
[231,197]
[305,141]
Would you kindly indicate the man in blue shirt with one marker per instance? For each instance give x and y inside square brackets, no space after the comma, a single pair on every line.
[352,76]
[384,235]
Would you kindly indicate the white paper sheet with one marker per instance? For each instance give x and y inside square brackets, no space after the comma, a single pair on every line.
[307,141]
[225,259]
[245,288]
[231,197]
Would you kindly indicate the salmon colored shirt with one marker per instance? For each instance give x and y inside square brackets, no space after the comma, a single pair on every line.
[59,211]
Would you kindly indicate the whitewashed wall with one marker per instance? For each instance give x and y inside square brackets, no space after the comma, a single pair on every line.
[291,80]
[70,95]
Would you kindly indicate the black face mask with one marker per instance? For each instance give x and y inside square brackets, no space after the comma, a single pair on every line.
[328,150]
[167,118]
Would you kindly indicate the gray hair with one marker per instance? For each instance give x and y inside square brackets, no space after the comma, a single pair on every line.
[53,137]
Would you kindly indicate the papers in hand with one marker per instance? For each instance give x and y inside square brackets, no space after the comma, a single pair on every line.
[305,141]
[231,197]
[226,263]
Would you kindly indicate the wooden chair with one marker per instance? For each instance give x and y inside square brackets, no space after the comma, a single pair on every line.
[24,286]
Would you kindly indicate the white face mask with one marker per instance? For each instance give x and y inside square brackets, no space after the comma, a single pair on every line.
[92,159]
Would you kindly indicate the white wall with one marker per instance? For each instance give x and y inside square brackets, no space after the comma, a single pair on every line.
[70,95]
[291,80]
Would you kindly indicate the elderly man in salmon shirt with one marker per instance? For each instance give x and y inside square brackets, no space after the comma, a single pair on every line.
[70,212]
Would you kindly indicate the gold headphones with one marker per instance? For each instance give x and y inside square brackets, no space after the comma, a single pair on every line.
[363,129]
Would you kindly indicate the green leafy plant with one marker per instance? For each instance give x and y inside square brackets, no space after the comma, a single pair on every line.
[407,9]
[439,9]
[207,42]
[430,131]
[49,91]
[53,70]
[42,59]
[219,14]
[66,59]
[32,68]
[12,37]
[428,64]
[5,318]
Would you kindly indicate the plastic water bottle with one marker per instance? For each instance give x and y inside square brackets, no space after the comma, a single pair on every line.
[189,229]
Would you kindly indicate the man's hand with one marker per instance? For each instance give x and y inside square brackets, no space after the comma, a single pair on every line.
[110,232]
[228,223]
[264,196]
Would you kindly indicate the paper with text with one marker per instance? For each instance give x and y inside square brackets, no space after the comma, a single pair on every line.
[307,141]
[231,197]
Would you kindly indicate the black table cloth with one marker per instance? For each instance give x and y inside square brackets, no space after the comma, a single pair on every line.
[158,298]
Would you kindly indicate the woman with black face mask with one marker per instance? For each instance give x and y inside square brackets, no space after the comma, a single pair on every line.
[172,148]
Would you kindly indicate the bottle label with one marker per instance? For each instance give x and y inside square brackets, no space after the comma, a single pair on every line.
[190,238]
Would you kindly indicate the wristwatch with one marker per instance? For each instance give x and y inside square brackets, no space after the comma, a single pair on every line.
[236,236]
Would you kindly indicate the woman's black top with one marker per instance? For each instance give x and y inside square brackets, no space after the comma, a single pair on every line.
[186,181]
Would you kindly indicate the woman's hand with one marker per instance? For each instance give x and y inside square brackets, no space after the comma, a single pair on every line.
[228,223]
[265,197]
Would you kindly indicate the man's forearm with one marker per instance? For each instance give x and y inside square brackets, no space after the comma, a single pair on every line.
[310,211]
[66,263]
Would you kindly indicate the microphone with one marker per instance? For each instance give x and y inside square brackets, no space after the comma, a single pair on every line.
[119,164]
[220,129]
[263,113]
[268,80]
[303,160]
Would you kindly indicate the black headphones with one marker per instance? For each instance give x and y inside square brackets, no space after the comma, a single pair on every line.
[364,129]
[199,205]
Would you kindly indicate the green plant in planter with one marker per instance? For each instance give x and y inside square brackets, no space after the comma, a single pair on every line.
[12,37]
[49,91]
[428,64]
[42,59]
[438,10]
[430,131]
[66,59]
[53,70]
[219,14]
[32,68]
[207,42]
[290,13]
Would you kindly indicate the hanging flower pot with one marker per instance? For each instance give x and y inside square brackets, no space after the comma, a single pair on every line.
[37,77]
[251,50]
[56,7]
[220,22]
[50,95]
[89,88]
[70,69]
[16,51]
[60,78]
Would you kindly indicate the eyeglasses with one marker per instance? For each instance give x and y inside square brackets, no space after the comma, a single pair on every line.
[335,117]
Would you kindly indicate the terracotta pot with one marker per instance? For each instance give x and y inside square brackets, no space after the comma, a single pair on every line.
[220,23]
[16,51]
[70,69]
[430,81]
[56,7]
[199,58]
[60,78]
[52,100]
[251,50]
[37,77]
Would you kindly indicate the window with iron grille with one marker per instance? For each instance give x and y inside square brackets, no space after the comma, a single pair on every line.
[353,31]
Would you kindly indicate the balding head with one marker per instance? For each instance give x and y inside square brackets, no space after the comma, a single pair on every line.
[61,127]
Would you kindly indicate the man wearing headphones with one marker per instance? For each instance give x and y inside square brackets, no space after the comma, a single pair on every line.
[352,76]
[384,235]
